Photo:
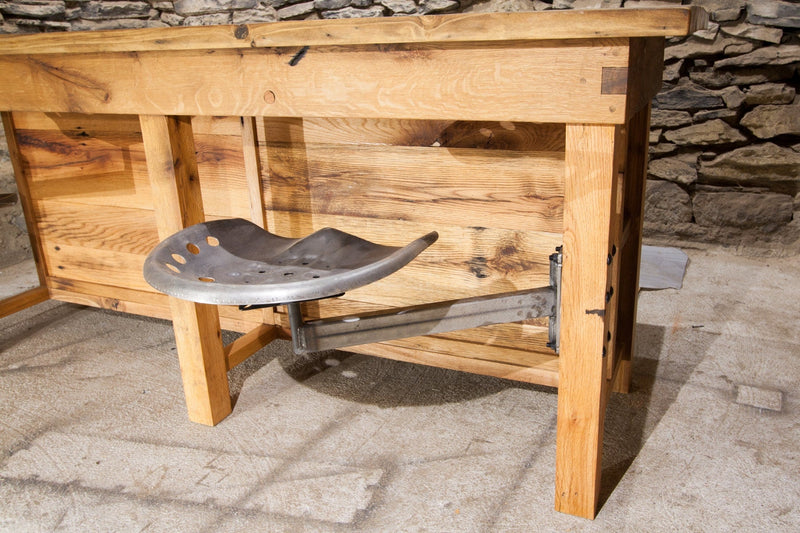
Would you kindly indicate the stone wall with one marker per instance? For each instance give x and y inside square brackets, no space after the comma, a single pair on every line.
[725,136]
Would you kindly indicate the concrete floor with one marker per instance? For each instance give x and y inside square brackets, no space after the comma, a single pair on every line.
[94,437]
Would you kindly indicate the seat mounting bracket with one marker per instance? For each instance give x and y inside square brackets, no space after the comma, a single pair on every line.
[440,317]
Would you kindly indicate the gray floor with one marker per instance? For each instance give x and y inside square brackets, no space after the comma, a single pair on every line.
[94,435]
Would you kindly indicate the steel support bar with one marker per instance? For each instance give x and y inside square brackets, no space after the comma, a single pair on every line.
[440,317]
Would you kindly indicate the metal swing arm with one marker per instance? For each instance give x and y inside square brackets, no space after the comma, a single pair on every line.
[440,317]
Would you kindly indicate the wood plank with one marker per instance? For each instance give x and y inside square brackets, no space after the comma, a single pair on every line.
[77,126]
[464,261]
[57,154]
[590,171]
[249,343]
[615,243]
[137,302]
[544,374]
[577,24]
[122,269]
[645,72]
[252,171]
[630,252]
[26,199]
[103,228]
[492,135]
[513,189]
[103,167]
[452,81]
[170,151]
[23,300]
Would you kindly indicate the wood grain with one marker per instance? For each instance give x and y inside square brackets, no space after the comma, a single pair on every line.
[542,372]
[170,151]
[453,81]
[487,27]
[26,198]
[590,174]
[630,250]
[515,189]
[249,343]
[491,135]
[23,300]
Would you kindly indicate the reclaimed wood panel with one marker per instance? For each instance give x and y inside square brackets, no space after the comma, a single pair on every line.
[465,261]
[487,135]
[99,161]
[503,250]
[119,229]
[123,269]
[451,81]
[513,189]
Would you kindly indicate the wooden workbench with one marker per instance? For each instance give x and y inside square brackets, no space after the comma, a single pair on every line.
[509,134]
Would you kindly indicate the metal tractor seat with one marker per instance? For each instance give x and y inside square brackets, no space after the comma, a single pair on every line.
[236,262]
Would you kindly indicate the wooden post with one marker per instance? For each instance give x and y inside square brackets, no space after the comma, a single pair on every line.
[25,198]
[630,251]
[590,176]
[172,166]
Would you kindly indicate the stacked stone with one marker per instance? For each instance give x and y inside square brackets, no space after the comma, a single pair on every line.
[725,139]
[52,15]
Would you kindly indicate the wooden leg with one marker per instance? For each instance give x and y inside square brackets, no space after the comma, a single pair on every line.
[630,251]
[41,293]
[591,174]
[171,164]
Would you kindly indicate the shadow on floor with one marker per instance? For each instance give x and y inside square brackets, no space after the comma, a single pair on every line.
[663,362]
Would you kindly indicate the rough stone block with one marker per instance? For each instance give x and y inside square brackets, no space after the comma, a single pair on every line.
[770,55]
[427,7]
[774,13]
[204,7]
[753,31]
[35,10]
[400,6]
[722,10]
[706,133]
[667,203]
[662,149]
[171,19]
[744,210]
[728,115]
[665,118]
[213,19]
[655,135]
[768,121]
[697,47]
[351,13]
[687,95]
[733,97]
[296,10]
[506,6]
[673,169]
[254,16]
[113,24]
[752,165]
[770,93]
[99,10]
[718,79]
[324,5]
